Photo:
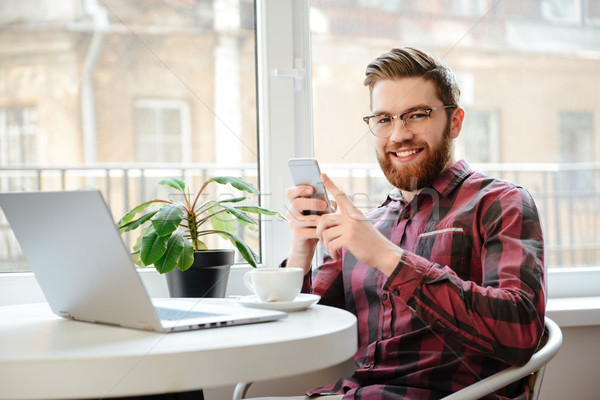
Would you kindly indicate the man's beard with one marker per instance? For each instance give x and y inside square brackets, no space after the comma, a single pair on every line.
[418,175]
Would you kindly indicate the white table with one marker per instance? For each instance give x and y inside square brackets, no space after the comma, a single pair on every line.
[43,356]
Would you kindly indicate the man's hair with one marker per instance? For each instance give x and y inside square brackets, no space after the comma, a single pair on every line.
[408,62]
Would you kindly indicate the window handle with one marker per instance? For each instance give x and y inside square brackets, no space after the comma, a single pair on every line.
[297,74]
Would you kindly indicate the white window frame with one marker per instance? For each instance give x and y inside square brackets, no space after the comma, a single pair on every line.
[285,107]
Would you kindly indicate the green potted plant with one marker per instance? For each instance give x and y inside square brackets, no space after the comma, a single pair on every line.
[173,232]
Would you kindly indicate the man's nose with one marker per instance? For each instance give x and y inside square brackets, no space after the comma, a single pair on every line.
[399,131]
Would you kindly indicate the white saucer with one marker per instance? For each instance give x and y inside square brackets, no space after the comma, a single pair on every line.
[301,302]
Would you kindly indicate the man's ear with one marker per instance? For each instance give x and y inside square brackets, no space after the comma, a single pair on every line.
[456,121]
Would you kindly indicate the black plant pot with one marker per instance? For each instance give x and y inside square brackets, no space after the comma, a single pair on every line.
[207,277]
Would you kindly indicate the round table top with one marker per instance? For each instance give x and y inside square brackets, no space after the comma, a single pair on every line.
[45,356]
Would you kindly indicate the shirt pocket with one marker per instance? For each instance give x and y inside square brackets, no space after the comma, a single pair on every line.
[446,246]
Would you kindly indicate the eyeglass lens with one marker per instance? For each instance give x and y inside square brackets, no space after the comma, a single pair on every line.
[414,122]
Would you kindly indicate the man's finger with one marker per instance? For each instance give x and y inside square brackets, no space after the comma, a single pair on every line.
[298,191]
[340,197]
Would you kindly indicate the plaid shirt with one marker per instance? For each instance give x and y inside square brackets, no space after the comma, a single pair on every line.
[466,300]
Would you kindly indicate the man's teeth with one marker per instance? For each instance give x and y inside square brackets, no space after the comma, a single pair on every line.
[406,153]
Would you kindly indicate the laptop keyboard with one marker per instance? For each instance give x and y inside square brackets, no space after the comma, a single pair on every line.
[173,314]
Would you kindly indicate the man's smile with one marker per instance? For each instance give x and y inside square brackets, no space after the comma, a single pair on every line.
[407,153]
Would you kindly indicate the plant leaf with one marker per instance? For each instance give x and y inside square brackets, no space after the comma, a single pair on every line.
[248,223]
[259,210]
[136,259]
[240,215]
[136,223]
[249,255]
[236,182]
[232,200]
[138,242]
[168,219]
[187,256]
[175,183]
[221,221]
[172,254]
[136,210]
[153,247]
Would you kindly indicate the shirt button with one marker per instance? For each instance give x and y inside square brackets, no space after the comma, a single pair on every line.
[384,296]
[405,215]
[396,292]
[366,365]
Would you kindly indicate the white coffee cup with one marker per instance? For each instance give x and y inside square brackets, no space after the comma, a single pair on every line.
[275,284]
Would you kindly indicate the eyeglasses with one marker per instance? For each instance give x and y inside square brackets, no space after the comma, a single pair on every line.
[414,121]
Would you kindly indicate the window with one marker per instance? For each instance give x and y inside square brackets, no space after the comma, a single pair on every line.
[576,147]
[126,92]
[161,130]
[561,11]
[578,190]
[18,146]
[592,13]
[515,89]
[18,135]
[225,59]
[479,141]
[471,7]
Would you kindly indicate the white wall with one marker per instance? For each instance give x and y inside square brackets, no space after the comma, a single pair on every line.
[573,373]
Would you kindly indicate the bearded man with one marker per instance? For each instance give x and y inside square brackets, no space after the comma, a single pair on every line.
[447,277]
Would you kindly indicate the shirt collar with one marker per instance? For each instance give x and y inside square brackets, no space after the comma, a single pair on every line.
[450,178]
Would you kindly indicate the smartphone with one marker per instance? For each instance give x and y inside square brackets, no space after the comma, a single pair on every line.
[306,171]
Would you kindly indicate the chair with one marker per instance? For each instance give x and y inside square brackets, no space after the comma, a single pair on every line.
[535,368]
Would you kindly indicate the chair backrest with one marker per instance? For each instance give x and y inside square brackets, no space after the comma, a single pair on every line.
[535,368]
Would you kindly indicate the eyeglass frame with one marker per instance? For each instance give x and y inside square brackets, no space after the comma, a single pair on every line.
[401,117]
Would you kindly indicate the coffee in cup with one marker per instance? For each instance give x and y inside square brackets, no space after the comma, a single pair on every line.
[274,284]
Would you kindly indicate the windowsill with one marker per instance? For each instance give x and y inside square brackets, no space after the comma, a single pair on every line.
[21,287]
[574,311]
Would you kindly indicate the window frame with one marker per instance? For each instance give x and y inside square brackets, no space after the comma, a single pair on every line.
[284,108]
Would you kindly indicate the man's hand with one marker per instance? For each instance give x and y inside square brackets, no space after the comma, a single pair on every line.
[304,227]
[350,229]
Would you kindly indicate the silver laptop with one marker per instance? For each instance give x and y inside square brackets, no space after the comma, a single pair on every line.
[86,272]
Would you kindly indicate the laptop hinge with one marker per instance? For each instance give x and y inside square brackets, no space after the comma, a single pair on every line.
[65,314]
[145,326]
